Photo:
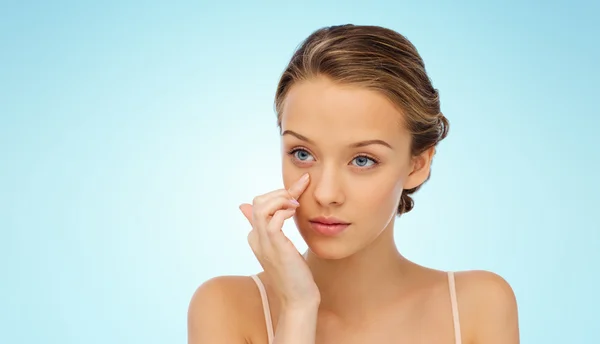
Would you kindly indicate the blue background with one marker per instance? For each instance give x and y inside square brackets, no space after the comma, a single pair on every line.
[130,131]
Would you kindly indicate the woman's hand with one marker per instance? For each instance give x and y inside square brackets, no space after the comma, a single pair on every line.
[287,270]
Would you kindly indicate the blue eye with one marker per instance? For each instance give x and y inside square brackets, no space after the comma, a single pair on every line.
[301,154]
[363,161]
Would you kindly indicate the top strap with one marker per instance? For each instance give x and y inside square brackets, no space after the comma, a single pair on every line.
[266,309]
[454,302]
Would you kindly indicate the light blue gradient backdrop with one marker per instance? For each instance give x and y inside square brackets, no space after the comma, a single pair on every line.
[130,132]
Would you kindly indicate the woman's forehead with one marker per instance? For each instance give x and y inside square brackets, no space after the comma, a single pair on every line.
[322,107]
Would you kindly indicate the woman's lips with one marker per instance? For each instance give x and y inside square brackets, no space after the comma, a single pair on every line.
[328,229]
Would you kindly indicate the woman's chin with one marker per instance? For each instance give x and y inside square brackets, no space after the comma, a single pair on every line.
[325,248]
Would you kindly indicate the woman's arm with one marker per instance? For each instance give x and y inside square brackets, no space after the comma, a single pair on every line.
[297,326]
[492,308]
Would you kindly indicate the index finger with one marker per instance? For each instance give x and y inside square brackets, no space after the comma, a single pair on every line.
[298,188]
[247,211]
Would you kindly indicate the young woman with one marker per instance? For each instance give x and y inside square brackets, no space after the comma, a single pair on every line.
[359,122]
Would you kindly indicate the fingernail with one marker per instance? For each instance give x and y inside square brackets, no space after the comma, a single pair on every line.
[304,178]
[293,201]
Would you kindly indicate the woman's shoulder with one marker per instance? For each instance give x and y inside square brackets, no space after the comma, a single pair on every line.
[484,288]
[226,293]
[227,288]
[487,303]
[225,304]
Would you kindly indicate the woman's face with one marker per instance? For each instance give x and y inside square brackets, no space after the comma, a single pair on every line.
[351,142]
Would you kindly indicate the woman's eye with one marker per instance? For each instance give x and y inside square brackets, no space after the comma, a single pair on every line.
[360,161]
[301,154]
[363,161]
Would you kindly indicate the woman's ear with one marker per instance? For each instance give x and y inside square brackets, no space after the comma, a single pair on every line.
[420,167]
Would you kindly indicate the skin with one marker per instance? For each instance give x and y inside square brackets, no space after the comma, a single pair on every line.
[355,287]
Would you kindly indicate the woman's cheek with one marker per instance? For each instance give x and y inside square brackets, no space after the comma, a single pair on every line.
[386,192]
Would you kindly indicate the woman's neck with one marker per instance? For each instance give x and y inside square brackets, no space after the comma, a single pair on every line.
[362,282]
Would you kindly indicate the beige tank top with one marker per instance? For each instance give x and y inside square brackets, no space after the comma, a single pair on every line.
[453,302]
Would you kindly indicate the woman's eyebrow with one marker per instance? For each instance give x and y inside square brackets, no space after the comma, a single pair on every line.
[371,142]
[353,145]
[300,137]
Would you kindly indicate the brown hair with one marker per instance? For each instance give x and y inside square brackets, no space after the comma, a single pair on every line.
[376,58]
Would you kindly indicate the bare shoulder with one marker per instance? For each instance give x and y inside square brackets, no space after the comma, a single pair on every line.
[487,307]
[220,309]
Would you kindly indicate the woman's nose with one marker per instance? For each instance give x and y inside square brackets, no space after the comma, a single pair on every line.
[328,187]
